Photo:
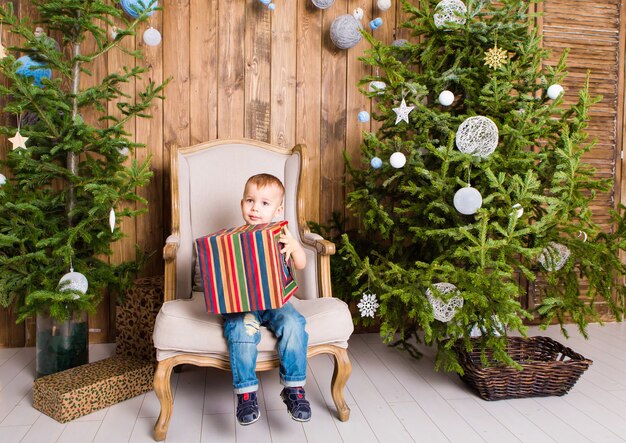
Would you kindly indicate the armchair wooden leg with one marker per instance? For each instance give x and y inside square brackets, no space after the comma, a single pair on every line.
[163,390]
[343,369]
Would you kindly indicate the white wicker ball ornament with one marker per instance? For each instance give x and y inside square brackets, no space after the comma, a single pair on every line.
[467,200]
[446,98]
[345,31]
[554,256]
[397,160]
[449,11]
[323,4]
[74,281]
[383,5]
[444,311]
[478,136]
[554,91]
[377,86]
[152,37]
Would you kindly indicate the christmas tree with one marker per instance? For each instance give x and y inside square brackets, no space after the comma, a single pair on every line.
[68,179]
[475,184]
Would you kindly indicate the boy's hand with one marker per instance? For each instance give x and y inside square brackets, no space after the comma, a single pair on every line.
[291,248]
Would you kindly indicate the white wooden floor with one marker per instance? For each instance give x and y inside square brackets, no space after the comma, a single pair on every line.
[393,398]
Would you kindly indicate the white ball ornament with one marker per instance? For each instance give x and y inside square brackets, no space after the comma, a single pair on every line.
[3,180]
[518,210]
[345,31]
[467,200]
[449,11]
[383,5]
[151,36]
[397,160]
[73,281]
[478,136]
[446,98]
[323,4]
[377,86]
[444,311]
[376,162]
[554,91]
[358,14]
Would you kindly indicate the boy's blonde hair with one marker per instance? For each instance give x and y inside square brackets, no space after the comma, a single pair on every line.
[263,180]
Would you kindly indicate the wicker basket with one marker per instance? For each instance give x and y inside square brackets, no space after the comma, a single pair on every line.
[549,368]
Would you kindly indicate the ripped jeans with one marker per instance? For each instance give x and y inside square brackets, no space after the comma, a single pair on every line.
[242,331]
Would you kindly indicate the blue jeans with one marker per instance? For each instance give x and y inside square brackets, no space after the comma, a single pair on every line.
[242,331]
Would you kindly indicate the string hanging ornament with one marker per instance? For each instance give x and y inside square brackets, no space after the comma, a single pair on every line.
[468,200]
[554,256]
[478,136]
[18,140]
[449,11]
[368,303]
[444,311]
[496,57]
[73,281]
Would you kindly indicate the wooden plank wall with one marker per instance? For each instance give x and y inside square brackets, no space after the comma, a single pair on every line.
[241,70]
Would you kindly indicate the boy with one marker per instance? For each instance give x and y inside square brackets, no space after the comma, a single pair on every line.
[263,201]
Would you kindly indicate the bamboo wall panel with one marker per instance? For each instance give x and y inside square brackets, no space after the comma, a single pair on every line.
[241,70]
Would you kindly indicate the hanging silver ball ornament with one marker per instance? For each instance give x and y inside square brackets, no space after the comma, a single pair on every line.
[377,86]
[123,151]
[397,160]
[554,91]
[446,98]
[345,32]
[3,180]
[323,4]
[383,5]
[358,14]
[467,200]
[477,136]
[73,281]
[113,32]
[444,311]
[554,256]
[449,11]
[364,116]
[151,36]
[376,162]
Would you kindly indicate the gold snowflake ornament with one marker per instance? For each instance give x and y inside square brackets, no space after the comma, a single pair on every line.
[496,57]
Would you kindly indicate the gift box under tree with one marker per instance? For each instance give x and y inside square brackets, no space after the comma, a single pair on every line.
[242,269]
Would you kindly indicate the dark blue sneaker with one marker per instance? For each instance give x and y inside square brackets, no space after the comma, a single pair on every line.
[297,406]
[247,408]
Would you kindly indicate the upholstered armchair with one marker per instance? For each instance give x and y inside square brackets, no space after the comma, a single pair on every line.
[207,182]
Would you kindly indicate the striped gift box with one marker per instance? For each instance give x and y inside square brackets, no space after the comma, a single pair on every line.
[242,269]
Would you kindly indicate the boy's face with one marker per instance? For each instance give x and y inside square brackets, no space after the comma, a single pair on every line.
[261,205]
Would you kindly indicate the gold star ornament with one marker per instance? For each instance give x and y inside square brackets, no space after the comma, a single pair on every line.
[496,57]
[18,141]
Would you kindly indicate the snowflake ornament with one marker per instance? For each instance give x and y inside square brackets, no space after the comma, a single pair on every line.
[368,304]
[496,57]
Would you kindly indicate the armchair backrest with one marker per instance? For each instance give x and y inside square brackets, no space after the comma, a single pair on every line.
[207,187]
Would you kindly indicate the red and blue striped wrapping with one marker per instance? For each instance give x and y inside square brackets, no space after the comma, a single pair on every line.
[242,269]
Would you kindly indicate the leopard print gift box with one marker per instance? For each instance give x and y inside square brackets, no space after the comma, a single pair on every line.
[79,391]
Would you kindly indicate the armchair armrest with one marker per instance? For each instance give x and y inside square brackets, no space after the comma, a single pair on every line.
[325,249]
[169,256]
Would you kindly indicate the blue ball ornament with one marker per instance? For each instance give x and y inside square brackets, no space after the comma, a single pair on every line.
[135,7]
[27,67]
[376,23]
[364,116]
[271,6]
[376,162]
[266,2]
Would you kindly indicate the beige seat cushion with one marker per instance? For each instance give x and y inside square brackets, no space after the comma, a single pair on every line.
[183,326]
